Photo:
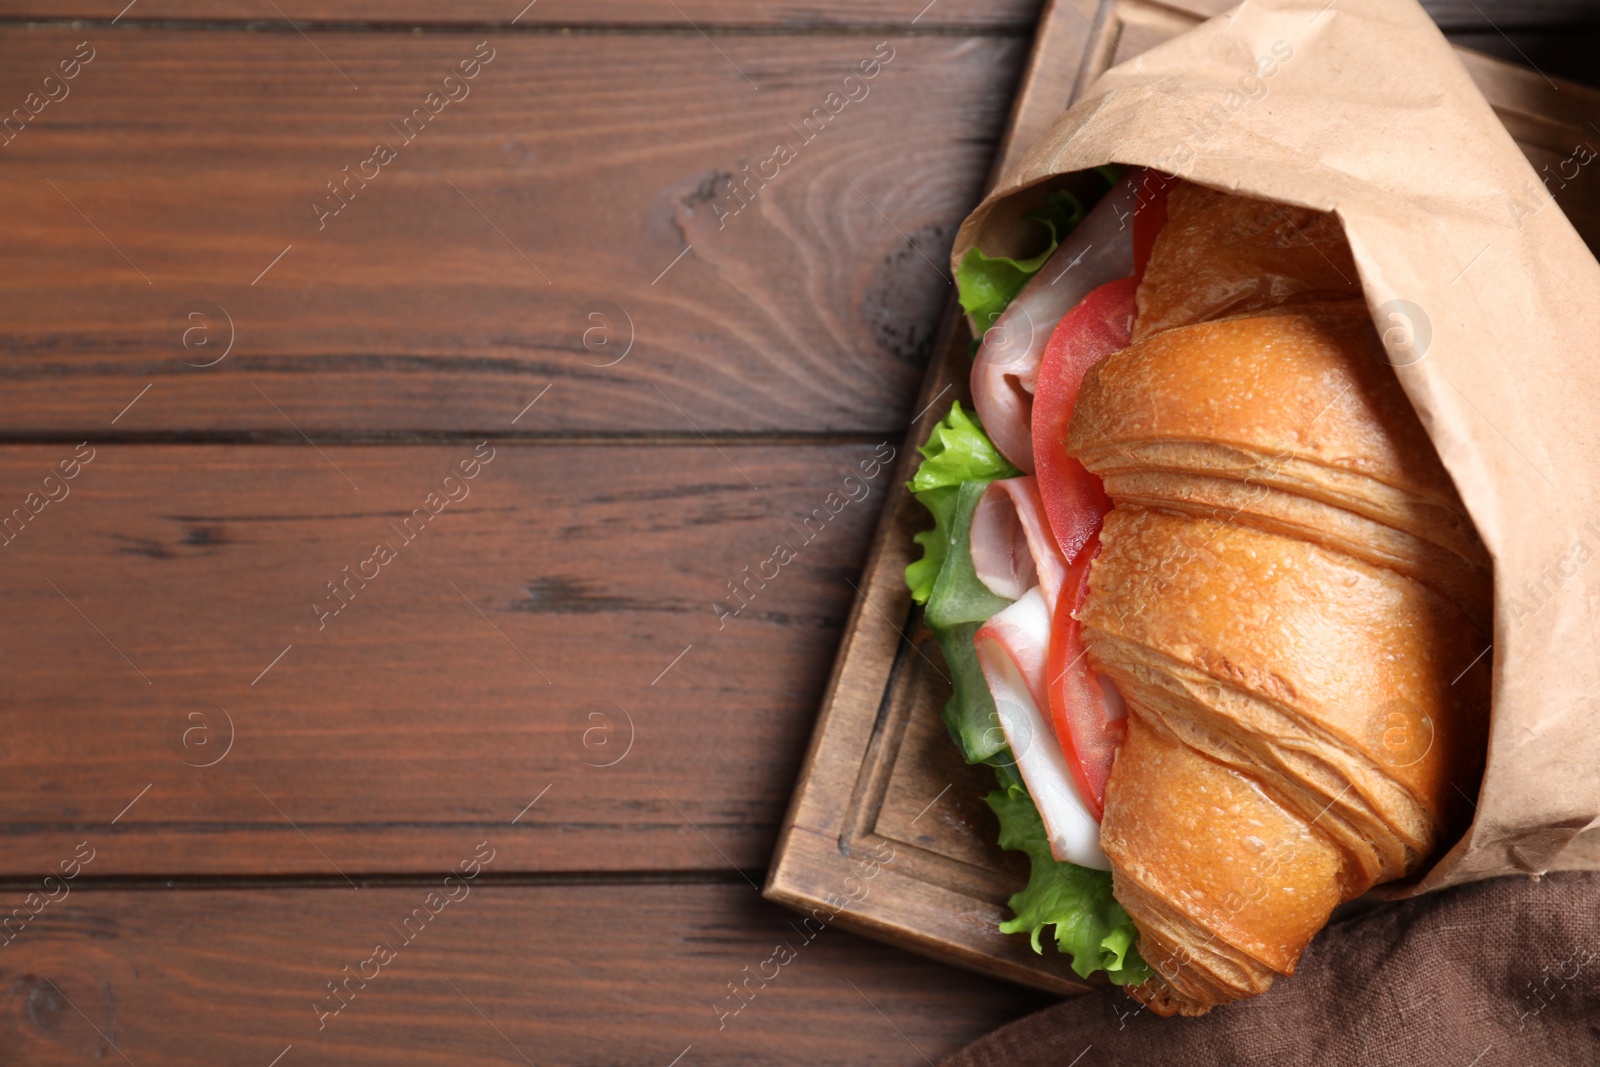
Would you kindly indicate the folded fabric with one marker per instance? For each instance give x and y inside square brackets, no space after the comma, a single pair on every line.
[1499,972]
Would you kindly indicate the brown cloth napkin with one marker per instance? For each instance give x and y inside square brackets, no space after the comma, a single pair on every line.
[1499,972]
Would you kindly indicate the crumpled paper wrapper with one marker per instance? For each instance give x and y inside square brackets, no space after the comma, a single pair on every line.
[1360,107]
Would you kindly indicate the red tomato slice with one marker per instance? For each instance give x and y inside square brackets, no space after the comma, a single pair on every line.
[1101,324]
[1085,712]
[1079,708]
[1075,503]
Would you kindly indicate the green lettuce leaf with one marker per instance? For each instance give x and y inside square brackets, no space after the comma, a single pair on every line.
[1089,924]
[959,604]
[986,284]
[970,714]
[957,451]
[959,462]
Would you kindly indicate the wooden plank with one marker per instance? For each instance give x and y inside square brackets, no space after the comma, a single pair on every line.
[1017,16]
[534,636]
[1066,34]
[1014,16]
[582,175]
[879,772]
[505,974]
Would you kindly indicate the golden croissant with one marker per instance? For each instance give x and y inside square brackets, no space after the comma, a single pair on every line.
[1289,596]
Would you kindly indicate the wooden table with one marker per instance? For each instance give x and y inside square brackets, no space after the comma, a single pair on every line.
[364,513]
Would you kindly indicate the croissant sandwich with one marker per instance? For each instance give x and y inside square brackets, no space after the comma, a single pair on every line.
[1213,607]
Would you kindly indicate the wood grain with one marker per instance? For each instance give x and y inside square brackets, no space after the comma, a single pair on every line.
[1013,16]
[459,280]
[554,974]
[523,640]
[1017,16]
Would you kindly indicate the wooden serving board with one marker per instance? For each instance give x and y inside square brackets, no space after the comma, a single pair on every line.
[882,777]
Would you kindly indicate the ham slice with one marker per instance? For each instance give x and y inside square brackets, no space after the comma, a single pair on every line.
[1098,250]
[1013,548]
[1013,648]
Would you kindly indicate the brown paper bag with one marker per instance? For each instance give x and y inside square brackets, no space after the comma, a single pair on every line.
[1360,107]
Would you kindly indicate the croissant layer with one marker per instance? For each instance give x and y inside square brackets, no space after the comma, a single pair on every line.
[1290,598]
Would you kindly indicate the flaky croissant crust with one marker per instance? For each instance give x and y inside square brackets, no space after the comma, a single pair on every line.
[1291,599]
